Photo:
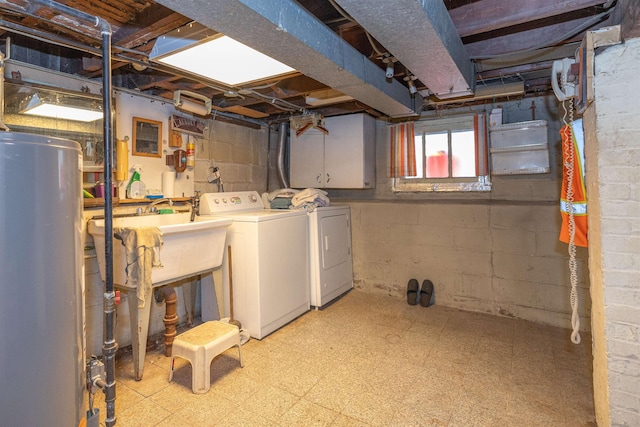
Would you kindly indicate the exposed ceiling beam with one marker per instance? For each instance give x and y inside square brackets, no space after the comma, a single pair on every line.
[287,32]
[421,35]
[488,15]
[532,39]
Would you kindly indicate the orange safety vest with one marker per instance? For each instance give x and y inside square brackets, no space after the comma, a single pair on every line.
[573,142]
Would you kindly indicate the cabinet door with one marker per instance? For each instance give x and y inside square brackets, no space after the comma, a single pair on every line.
[344,152]
[306,160]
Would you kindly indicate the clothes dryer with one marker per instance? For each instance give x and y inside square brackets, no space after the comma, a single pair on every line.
[330,254]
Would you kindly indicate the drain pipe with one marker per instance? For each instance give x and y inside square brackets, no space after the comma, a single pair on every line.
[109,346]
[168,295]
[283,132]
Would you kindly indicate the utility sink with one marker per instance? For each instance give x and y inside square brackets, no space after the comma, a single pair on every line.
[188,249]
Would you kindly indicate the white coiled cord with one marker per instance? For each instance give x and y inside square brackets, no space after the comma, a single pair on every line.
[569,155]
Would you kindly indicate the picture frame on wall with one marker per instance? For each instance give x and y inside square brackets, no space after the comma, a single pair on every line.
[147,137]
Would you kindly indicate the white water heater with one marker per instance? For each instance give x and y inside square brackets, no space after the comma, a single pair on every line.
[42,356]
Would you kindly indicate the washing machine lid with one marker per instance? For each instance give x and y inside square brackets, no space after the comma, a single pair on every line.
[264,215]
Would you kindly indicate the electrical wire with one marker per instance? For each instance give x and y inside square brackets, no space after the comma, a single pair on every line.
[346,16]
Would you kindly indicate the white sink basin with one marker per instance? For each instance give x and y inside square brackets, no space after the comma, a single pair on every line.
[189,248]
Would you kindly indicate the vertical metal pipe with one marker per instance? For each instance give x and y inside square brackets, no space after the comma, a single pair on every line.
[268,156]
[283,132]
[109,346]
[2,125]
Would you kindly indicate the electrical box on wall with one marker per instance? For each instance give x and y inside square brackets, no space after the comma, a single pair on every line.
[519,148]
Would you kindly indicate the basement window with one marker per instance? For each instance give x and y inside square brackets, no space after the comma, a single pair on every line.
[451,156]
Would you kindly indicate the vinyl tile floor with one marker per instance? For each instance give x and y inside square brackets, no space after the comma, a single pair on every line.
[372,360]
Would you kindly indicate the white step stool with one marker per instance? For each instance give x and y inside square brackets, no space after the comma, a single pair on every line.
[200,345]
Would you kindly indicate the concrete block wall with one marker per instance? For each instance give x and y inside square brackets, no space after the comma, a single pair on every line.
[240,152]
[612,162]
[498,259]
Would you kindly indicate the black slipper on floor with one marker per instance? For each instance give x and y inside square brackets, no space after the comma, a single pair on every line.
[412,292]
[426,292]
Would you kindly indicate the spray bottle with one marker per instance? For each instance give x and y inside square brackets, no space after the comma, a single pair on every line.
[136,188]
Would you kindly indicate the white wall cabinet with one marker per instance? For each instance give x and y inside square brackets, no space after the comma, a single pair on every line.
[345,158]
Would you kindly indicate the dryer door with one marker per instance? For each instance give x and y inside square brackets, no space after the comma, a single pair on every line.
[336,240]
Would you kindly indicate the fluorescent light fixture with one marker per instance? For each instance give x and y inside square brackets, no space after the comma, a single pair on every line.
[200,50]
[40,107]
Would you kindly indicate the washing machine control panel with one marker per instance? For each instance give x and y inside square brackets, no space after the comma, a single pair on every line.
[219,203]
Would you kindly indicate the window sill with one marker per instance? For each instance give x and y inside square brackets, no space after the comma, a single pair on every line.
[483,184]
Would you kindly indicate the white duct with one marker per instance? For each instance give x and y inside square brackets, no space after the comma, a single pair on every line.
[283,132]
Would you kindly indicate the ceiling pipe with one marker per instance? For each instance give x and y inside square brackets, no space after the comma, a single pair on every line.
[287,32]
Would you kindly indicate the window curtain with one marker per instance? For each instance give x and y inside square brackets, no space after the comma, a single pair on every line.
[402,152]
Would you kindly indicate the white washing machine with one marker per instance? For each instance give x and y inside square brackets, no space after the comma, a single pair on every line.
[330,253]
[270,260]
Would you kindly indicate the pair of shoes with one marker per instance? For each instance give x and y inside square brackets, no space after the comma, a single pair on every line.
[412,292]
[426,292]
[424,296]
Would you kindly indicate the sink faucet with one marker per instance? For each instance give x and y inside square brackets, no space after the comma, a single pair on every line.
[157,202]
[195,206]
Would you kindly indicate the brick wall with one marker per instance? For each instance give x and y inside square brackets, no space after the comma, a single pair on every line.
[613,177]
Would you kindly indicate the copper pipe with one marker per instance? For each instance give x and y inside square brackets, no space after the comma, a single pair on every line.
[168,295]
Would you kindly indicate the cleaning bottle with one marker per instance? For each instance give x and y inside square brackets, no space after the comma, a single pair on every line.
[191,153]
[136,188]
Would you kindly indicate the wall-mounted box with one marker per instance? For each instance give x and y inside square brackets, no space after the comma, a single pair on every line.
[519,148]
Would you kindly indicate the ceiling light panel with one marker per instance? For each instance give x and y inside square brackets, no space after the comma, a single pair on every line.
[216,57]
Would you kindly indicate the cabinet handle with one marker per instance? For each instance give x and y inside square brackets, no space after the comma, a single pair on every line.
[328,177]
[318,178]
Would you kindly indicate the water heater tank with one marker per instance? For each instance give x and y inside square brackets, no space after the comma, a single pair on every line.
[42,356]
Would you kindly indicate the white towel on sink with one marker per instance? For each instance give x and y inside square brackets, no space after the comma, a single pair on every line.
[142,247]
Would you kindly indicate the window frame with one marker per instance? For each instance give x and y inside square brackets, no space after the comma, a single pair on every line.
[480,183]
